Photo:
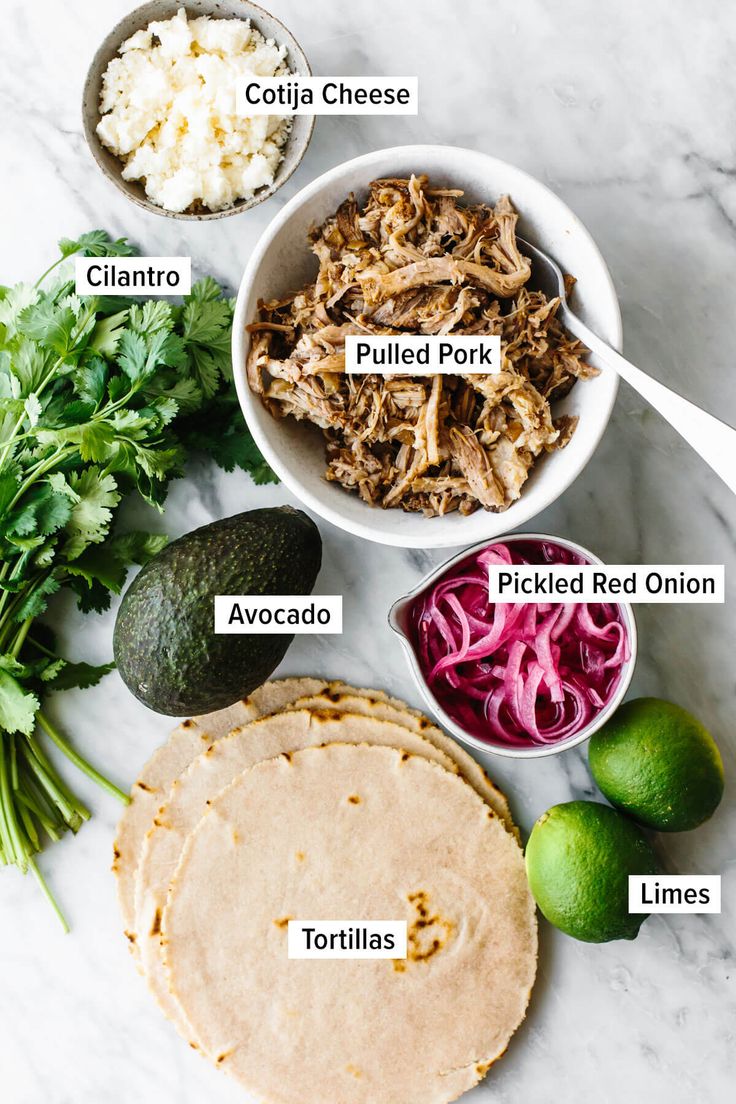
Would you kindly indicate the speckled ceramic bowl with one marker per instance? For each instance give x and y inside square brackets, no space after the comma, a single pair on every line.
[263,21]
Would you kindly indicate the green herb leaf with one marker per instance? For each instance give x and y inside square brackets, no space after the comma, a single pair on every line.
[37,600]
[96,243]
[90,380]
[132,355]
[136,547]
[78,676]
[153,315]
[90,518]
[18,707]
[107,333]
[50,325]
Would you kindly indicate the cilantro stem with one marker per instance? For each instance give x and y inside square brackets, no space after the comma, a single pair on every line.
[27,801]
[13,762]
[13,435]
[28,824]
[16,849]
[47,893]
[42,648]
[81,764]
[5,836]
[51,268]
[40,469]
[22,634]
[71,810]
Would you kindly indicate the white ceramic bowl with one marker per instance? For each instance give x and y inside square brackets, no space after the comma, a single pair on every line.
[282,262]
[398,619]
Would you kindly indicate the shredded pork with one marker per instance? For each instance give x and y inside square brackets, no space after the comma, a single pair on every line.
[416,260]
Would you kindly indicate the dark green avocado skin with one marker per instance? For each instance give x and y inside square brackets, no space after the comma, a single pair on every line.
[165,645]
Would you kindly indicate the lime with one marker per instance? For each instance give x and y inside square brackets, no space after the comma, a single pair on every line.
[656,762]
[578,861]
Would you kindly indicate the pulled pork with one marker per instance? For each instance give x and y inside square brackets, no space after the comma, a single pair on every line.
[416,260]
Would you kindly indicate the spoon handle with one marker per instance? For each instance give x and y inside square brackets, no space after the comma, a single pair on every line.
[713,439]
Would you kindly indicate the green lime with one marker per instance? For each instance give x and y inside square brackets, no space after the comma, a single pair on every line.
[578,860]
[656,762]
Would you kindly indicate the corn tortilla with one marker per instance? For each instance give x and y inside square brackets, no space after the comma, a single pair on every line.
[279,734]
[288,839]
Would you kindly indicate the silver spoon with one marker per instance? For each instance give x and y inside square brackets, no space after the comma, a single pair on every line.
[711,438]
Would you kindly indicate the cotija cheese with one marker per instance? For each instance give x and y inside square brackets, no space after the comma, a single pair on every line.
[168,112]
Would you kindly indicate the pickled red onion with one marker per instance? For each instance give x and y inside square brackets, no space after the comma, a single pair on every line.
[521,674]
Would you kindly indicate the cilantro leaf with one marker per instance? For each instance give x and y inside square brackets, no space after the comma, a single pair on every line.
[16,300]
[27,364]
[50,510]
[90,380]
[206,290]
[90,517]
[132,355]
[107,333]
[153,315]
[207,370]
[96,243]
[50,325]
[37,600]
[78,676]
[32,409]
[18,707]
[136,547]
[92,597]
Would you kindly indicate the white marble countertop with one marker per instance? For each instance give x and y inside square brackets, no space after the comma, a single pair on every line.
[626,110]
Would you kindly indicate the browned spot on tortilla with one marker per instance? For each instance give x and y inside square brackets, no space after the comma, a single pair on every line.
[424,723]
[353,1071]
[399,965]
[300,856]
[130,936]
[426,933]
[283,922]
[334,695]
[194,1046]
[160,823]
[144,787]
[116,853]
[156,926]
[221,1057]
[482,1068]
[187,724]
[286,755]
[404,756]
[324,714]
[354,799]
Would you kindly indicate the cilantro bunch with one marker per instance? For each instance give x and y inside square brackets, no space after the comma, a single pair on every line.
[99,397]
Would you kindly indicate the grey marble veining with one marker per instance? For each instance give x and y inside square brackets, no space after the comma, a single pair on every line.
[626,110]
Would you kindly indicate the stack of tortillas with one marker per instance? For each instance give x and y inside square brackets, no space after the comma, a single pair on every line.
[316,801]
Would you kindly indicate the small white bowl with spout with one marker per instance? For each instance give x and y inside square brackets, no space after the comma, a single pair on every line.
[399,618]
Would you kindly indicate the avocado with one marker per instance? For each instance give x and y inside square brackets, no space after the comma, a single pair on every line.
[165,646]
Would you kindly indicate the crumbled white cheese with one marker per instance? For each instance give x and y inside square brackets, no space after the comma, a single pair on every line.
[168,111]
